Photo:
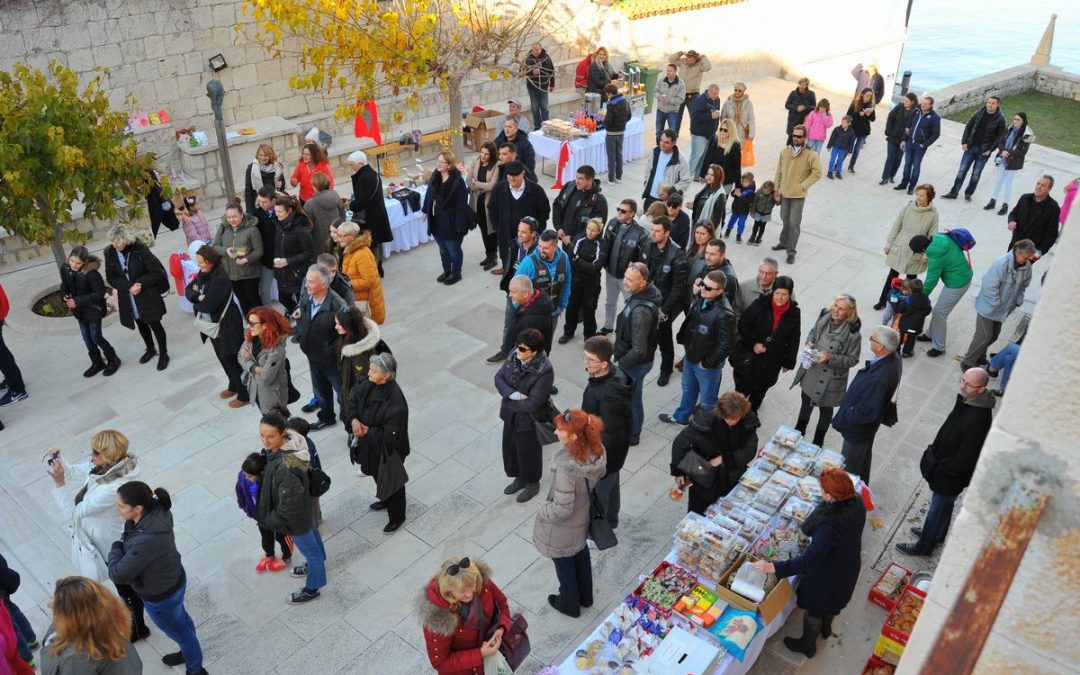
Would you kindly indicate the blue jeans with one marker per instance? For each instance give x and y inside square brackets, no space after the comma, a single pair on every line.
[836,160]
[737,220]
[972,159]
[538,99]
[936,525]
[637,408]
[1003,362]
[613,147]
[860,141]
[311,545]
[913,154]
[815,145]
[673,120]
[893,155]
[95,340]
[170,616]
[451,254]
[700,387]
[326,383]
[698,145]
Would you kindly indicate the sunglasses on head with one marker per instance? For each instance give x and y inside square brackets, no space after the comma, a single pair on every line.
[462,564]
[566,417]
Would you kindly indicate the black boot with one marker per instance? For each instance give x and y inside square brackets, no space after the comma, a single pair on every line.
[96,364]
[1004,209]
[163,361]
[826,627]
[807,644]
[990,205]
[113,365]
[148,354]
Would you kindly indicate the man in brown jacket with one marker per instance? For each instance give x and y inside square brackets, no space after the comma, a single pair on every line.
[798,169]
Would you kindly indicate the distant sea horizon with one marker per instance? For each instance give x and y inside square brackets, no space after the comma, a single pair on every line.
[950,41]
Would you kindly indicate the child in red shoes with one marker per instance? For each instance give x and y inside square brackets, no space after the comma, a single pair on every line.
[247,496]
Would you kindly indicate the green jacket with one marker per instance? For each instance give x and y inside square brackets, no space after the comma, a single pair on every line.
[244,237]
[945,261]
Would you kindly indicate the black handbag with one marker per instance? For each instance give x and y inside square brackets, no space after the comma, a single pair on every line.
[697,468]
[600,530]
[544,420]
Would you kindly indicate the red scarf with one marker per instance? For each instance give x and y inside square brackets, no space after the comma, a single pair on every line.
[778,313]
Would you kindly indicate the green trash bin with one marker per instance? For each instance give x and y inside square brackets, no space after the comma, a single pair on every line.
[647,76]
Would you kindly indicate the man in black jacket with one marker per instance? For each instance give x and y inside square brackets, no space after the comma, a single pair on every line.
[319,339]
[1036,217]
[635,337]
[529,308]
[621,243]
[519,137]
[668,269]
[980,138]
[607,395]
[539,81]
[949,462]
[528,236]
[895,126]
[511,200]
[268,230]
[576,204]
[508,155]
[706,334]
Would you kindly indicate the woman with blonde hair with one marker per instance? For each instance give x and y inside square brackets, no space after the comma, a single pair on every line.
[724,149]
[464,616]
[561,527]
[359,265]
[139,279]
[446,209]
[832,350]
[265,169]
[89,632]
[86,495]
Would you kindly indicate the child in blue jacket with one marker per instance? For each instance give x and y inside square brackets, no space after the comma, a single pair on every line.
[842,142]
[740,206]
[247,496]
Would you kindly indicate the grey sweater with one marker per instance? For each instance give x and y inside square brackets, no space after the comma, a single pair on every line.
[73,662]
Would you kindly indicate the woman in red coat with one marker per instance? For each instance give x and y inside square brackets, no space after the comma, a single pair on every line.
[461,623]
[312,161]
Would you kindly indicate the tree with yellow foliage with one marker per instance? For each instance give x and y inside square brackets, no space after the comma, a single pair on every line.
[371,48]
[60,143]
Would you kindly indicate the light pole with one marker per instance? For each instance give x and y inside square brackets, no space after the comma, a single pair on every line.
[216,92]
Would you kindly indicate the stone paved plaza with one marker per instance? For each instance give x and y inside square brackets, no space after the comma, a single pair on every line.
[189,442]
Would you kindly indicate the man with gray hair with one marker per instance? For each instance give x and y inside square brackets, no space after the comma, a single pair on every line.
[511,133]
[529,307]
[1002,291]
[868,397]
[747,293]
[318,340]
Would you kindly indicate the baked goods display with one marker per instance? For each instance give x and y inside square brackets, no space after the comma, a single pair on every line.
[787,437]
[562,130]
[797,508]
[809,488]
[775,453]
[797,464]
[826,459]
[754,479]
[905,615]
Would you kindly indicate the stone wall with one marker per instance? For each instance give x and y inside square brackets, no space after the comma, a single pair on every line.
[1054,80]
[972,93]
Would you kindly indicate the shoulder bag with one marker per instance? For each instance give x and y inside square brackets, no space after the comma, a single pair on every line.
[600,530]
[697,468]
[544,420]
[890,416]
[515,644]
[211,328]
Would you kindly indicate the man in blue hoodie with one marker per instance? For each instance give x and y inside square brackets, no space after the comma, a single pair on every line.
[924,128]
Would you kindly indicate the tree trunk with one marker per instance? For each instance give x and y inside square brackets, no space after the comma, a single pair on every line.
[57,243]
[453,92]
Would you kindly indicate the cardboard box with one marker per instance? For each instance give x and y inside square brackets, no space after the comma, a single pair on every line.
[768,608]
[682,654]
[875,662]
[895,634]
[485,126]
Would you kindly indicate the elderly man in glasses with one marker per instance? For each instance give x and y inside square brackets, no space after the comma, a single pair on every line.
[798,169]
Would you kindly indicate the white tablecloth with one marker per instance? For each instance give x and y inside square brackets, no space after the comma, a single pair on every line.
[590,150]
[409,230]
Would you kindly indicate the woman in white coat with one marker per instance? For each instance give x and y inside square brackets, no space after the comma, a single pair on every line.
[86,495]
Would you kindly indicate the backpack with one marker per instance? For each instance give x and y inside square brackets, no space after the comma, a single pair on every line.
[962,237]
[318,482]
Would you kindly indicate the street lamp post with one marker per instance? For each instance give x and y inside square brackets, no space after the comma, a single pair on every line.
[216,92]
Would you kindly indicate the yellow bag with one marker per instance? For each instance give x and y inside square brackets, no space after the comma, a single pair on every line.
[748,152]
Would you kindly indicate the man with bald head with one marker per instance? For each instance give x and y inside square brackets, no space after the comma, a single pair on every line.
[949,462]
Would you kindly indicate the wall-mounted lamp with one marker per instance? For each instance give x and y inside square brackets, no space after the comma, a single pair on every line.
[217,63]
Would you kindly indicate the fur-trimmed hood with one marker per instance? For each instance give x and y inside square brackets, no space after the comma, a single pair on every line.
[370,340]
[434,611]
[362,240]
[295,450]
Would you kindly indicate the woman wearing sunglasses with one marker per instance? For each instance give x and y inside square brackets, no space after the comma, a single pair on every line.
[464,616]
[86,495]
[561,526]
[524,381]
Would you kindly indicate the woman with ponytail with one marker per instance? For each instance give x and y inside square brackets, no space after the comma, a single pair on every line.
[147,559]
[562,524]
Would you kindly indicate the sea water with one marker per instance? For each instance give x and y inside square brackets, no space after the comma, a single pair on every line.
[950,41]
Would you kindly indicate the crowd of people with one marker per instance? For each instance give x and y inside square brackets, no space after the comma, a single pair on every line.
[281,269]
